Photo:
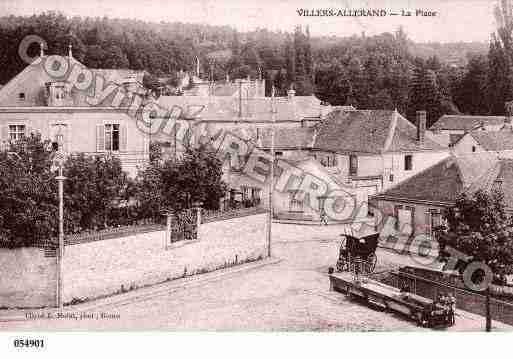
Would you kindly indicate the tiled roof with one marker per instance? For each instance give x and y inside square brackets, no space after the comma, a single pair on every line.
[445,180]
[33,78]
[494,140]
[464,122]
[499,176]
[506,176]
[287,138]
[369,131]
[226,108]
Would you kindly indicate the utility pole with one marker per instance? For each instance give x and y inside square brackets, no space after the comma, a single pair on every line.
[488,313]
[240,98]
[60,255]
[271,182]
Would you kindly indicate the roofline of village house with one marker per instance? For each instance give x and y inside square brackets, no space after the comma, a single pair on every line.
[55,109]
[238,120]
[411,200]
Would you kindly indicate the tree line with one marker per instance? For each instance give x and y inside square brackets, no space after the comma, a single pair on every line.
[369,72]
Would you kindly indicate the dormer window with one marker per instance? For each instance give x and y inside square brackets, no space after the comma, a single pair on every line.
[56,93]
[59,93]
[21,96]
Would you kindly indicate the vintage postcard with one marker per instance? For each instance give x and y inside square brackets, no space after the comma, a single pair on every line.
[242,166]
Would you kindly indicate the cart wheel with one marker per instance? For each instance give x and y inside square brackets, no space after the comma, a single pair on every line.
[371,262]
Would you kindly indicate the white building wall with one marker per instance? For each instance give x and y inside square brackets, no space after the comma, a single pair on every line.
[394,165]
[466,145]
[80,135]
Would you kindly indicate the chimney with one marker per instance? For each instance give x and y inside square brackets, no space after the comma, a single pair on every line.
[421,125]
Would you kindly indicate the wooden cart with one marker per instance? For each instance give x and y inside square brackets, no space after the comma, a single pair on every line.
[425,312]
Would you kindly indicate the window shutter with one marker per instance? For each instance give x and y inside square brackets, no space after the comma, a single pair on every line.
[100,138]
[122,137]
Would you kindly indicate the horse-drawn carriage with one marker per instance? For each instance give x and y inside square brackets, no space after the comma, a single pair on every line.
[357,258]
[358,253]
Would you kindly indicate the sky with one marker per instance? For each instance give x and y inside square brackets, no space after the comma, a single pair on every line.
[456,20]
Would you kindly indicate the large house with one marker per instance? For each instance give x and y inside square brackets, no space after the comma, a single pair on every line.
[73,116]
[498,142]
[366,150]
[245,116]
[450,128]
[418,204]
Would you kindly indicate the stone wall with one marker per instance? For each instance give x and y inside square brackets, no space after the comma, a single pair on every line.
[101,268]
[29,279]
[104,267]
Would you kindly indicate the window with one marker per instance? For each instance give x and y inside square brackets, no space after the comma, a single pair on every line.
[329,161]
[473,148]
[404,219]
[408,162]
[112,137]
[245,193]
[353,165]
[58,133]
[58,144]
[21,96]
[255,195]
[433,221]
[278,153]
[59,93]
[16,132]
[296,204]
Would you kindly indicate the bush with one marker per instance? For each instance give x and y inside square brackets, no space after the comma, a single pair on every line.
[95,192]
[28,194]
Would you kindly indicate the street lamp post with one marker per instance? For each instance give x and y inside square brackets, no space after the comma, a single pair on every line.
[60,255]
[271,181]
[488,312]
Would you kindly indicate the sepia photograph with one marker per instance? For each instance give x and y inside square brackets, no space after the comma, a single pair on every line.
[329,166]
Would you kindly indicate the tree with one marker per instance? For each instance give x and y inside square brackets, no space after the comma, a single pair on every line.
[424,94]
[93,191]
[479,226]
[197,177]
[500,58]
[290,58]
[333,84]
[147,193]
[28,200]
[178,184]
[499,88]
[470,91]
[302,64]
